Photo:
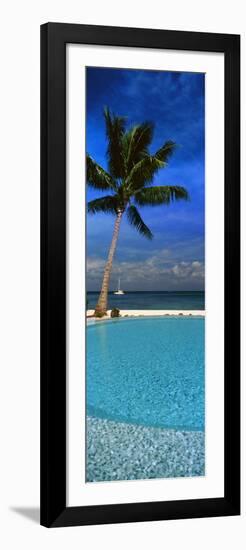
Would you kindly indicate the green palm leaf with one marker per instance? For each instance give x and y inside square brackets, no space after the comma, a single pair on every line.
[107,204]
[136,143]
[166,151]
[162,194]
[143,172]
[135,219]
[97,177]
[115,128]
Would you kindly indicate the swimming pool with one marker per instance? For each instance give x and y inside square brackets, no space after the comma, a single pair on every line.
[147,371]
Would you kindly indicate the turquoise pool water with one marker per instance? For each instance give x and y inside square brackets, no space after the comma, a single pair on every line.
[147,371]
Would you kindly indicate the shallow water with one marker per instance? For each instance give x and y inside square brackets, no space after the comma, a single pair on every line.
[117,451]
[147,372]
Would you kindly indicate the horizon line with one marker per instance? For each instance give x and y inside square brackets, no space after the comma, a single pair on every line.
[125,290]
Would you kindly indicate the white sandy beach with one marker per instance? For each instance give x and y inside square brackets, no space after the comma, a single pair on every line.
[152,312]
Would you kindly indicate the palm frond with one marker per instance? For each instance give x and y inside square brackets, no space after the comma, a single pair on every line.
[143,172]
[166,151]
[135,219]
[162,194]
[107,204]
[115,128]
[137,141]
[97,177]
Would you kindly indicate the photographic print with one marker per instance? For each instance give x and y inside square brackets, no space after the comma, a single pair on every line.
[140,293]
[145,281]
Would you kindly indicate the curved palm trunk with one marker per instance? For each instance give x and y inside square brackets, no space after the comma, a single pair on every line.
[101,307]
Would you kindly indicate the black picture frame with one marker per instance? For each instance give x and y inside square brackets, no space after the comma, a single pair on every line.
[54,37]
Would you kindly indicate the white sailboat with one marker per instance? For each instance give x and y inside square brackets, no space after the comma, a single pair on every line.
[119,291]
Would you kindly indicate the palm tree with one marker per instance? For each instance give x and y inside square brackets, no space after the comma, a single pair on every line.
[131,169]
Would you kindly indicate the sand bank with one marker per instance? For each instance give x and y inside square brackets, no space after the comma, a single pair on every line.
[153,312]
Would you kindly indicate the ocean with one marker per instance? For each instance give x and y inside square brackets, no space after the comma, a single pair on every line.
[152,300]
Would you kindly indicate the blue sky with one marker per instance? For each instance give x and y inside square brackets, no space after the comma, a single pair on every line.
[174,102]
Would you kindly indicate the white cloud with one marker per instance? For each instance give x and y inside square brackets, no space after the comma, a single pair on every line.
[184,270]
[157,272]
